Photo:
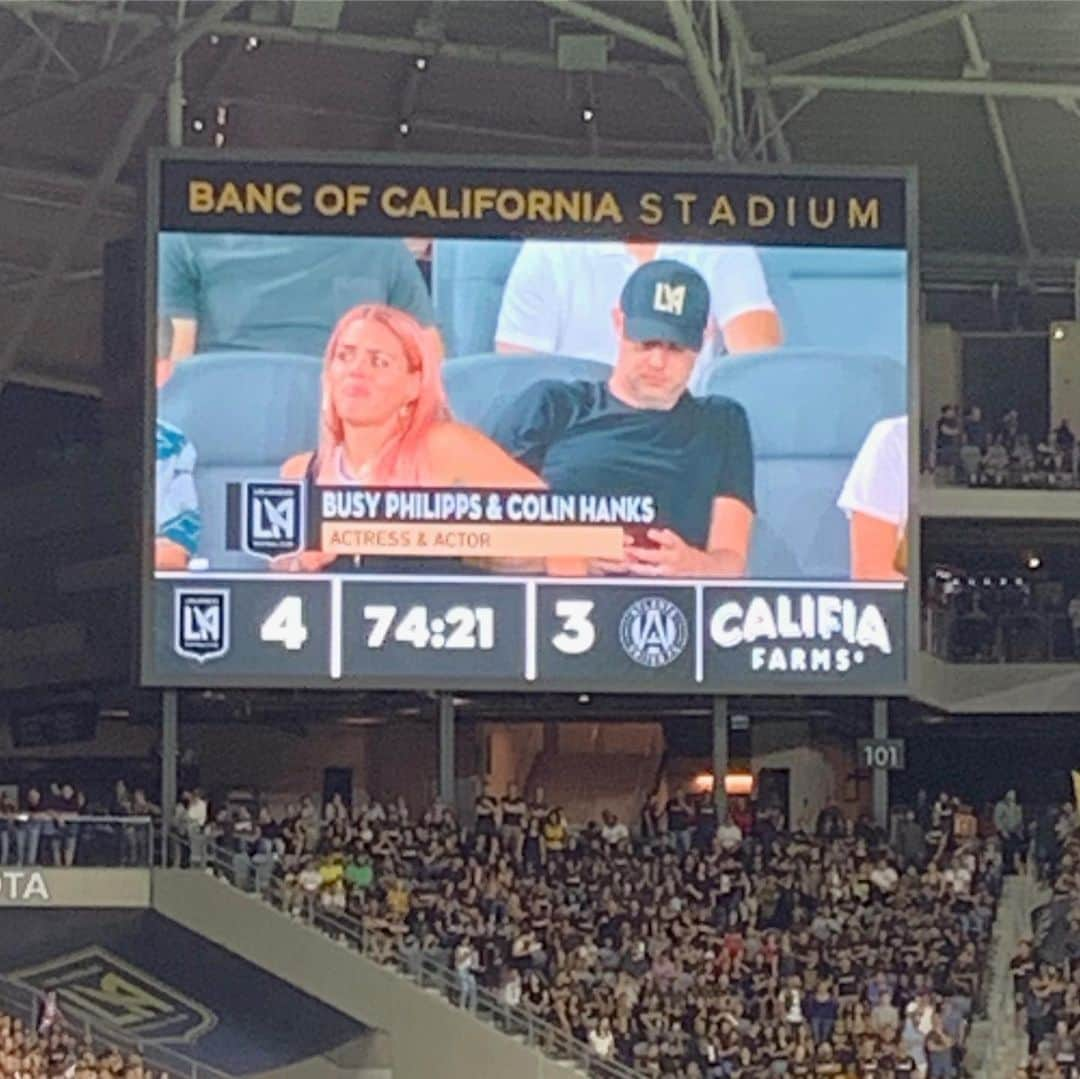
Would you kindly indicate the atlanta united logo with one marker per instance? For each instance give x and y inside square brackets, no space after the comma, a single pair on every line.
[653,631]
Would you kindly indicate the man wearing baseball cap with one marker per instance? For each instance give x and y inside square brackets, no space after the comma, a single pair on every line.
[642,433]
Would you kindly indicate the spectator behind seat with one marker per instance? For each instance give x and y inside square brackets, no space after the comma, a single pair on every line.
[815,292]
[246,413]
[810,410]
[467,280]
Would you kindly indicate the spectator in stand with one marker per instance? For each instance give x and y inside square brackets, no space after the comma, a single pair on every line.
[29,828]
[613,831]
[67,805]
[996,464]
[947,441]
[975,433]
[513,811]
[679,822]
[466,963]
[1010,430]
[1065,442]
[8,812]
[1009,822]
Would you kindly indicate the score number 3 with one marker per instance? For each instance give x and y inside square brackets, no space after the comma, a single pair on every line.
[578,633]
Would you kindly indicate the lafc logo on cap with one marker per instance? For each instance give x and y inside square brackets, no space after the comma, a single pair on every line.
[669,299]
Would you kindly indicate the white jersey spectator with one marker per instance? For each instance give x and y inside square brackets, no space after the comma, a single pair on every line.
[560,296]
[875,499]
[877,484]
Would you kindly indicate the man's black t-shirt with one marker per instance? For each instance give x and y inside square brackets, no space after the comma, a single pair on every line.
[582,439]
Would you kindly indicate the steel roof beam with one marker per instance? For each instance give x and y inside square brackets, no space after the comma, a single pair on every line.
[620,27]
[872,38]
[138,116]
[95,14]
[1032,91]
[740,39]
[707,88]
[980,71]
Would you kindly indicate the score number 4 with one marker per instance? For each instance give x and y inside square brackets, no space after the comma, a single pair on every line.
[284,625]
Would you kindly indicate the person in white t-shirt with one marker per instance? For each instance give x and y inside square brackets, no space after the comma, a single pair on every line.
[613,831]
[875,498]
[560,296]
[601,1039]
[1074,619]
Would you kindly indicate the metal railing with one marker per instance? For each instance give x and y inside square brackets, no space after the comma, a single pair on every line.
[421,967]
[21,1001]
[48,840]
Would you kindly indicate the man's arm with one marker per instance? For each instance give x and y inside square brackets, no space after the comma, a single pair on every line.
[741,302]
[753,331]
[724,556]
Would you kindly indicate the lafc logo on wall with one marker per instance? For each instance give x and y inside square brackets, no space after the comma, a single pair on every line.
[95,983]
[669,299]
[201,623]
[273,518]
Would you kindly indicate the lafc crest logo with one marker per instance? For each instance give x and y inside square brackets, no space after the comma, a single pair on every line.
[273,518]
[201,623]
[95,983]
[669,299]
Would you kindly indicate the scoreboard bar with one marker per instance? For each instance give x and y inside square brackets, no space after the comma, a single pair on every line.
[557,634]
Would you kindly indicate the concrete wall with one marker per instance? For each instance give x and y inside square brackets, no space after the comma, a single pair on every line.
[940,369]
[428,1036]
[1065,373]
[48,888]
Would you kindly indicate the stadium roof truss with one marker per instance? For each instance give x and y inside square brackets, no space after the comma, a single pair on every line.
[984,97]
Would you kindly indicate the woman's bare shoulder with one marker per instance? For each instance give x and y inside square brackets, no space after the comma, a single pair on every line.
[295,468]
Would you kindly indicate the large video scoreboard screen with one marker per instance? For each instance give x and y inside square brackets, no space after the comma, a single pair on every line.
[522,426]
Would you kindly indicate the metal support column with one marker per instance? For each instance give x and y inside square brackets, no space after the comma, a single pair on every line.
[880,776]
[170,743]
[719,753]
[447,770]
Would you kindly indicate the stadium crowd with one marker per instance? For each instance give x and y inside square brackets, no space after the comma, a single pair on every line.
[990,618]
[53,1052]
[1045,972]
[974,453]
[46,824]
[701,947]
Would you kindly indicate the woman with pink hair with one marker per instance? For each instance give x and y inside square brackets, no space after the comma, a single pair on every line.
[385,421]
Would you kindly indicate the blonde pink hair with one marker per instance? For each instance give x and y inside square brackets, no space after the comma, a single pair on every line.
[401,461]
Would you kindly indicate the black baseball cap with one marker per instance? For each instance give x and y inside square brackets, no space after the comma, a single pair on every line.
[666,300]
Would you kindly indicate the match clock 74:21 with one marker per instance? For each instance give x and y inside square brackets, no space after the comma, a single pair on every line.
[460,628]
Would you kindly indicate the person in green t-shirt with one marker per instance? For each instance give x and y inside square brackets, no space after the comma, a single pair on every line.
[225,292]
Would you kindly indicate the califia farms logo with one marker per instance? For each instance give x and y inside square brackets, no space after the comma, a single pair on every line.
[653,631]
[820,633]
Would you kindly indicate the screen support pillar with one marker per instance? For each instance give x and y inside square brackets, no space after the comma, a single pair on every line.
[880,776]
[447,786]
[170,739]
[719,753]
